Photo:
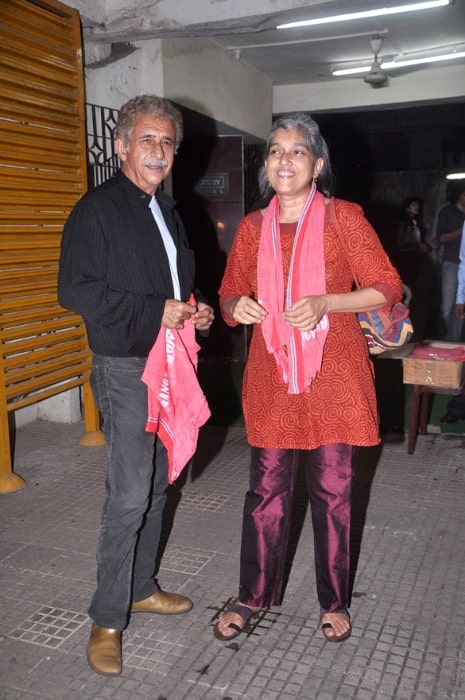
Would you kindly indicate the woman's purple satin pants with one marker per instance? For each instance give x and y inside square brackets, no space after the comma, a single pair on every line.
[267,518]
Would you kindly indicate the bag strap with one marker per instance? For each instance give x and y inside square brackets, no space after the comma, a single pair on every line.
[332,211]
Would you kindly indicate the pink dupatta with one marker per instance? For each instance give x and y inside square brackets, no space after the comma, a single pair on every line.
[298,354]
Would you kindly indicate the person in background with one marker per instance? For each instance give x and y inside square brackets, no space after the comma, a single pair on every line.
[449,227]
[411,232]
[415,265]
[308,390]
[456,405]
[126,268]
[460,298]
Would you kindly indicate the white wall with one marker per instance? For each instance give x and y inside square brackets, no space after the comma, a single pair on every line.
[113,84]
[62,408]
[195,73]
[201,76]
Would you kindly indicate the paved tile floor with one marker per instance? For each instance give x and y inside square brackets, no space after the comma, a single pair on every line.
[408,597]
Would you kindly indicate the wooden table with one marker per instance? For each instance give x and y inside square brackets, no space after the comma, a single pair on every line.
[419,410]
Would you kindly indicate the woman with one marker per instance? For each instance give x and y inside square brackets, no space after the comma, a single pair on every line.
[411,232]
[308,385]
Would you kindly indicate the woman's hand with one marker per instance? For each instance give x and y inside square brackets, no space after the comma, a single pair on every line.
[244,310]
[306,313]
[203,317]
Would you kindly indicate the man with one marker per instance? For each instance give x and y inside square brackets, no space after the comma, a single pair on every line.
[127,270]
[449,234]
[460,297]
[456,405]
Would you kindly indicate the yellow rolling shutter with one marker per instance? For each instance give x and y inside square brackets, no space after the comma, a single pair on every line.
[42,174]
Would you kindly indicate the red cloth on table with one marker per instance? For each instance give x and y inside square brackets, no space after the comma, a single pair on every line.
[429,352]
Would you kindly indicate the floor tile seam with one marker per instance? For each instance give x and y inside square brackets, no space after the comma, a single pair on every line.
[423,470]
[393,657]
[224,465]
[422,484]
[403,509]
[230,512]
[226,499]
[42,543]
[375,529]
[183,572]
[207,501]
[45,574]
[56,534]
[172,546]
[408,552]
[61,647]
[27,692]
[182,549]
[20,547]
[421,494]
[412,492]
[211,491]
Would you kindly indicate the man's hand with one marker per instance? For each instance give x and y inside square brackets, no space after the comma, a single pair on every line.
[459,312]
[176,313]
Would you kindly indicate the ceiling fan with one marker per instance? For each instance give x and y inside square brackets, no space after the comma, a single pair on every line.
[376,77]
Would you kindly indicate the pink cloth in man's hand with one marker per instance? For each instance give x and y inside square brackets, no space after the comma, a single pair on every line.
[177,406]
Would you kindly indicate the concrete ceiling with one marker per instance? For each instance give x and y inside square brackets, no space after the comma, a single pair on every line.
[299,61]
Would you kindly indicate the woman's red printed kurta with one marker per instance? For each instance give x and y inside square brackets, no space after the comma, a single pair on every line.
[340,406]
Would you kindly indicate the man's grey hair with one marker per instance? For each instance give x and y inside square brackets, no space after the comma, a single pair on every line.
[147,104]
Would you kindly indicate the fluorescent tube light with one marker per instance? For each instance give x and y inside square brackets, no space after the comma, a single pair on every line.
[381,12]
[418,61]
[352,71]
[455,176]
[401,63]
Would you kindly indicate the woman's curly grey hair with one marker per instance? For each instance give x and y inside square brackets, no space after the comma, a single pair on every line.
[314,141]
[147,104]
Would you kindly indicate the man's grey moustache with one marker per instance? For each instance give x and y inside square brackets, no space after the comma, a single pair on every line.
[162,163]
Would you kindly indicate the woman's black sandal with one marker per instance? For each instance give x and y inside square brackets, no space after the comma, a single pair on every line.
[244,612]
